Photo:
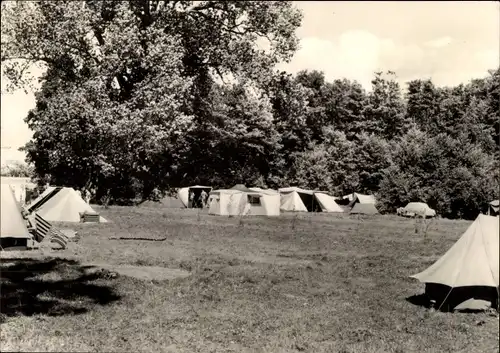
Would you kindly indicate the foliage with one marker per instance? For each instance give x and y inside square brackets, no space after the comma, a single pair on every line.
[384,113]
[134,80]
[455,177]
[18,170]
[139,97]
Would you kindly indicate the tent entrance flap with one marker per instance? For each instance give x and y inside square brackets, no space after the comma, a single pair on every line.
[43,200]
[195,196]
[310,202]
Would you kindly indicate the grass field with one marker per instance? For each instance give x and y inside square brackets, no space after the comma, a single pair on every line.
[310,283]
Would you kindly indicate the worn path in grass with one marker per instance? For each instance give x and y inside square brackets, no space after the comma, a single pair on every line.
[320,283]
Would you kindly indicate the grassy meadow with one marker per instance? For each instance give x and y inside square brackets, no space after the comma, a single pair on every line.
[296,283]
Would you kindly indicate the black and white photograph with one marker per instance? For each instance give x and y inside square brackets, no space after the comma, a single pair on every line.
[250,176]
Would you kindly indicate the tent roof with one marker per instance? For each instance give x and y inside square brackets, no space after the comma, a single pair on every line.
[471,261]
[296,189]
[495,203]
[327,202]
[241,187]
[264,191]
[364,208]
[360,197]
[12,223]
[234,191]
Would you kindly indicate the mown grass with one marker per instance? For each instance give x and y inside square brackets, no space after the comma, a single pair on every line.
[320,283]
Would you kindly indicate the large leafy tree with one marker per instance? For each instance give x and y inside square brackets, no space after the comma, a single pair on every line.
[331,165]
[128,93]
[384,113]
[344,109]
[454,176]
[423,102]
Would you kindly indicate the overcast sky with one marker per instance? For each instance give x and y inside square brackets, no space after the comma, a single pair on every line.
[450,42]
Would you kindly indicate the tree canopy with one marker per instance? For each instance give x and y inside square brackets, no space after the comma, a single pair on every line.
[140,96]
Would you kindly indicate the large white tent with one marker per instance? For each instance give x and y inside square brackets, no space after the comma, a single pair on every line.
[270,201]
[61,204]
[294,199]
[239,201]
[13,226]
[469,269]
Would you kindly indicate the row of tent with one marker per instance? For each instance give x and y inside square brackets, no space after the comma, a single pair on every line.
[465,277]
[55,204]
[240,200]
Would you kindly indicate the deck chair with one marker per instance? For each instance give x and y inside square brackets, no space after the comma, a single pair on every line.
[44,229]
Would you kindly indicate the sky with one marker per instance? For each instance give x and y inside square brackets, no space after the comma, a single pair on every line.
[449,42]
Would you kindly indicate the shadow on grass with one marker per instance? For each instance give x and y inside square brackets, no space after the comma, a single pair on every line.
[420,300]
[481,301]
[52,287]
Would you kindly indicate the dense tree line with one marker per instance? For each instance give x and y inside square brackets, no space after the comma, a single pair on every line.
[141,96]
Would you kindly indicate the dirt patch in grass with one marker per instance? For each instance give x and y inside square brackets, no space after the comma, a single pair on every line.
[152,273]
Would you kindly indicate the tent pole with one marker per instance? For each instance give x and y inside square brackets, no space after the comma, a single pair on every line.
[445,298]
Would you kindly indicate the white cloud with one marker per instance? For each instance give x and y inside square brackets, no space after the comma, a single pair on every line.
[355,55]
[439,42]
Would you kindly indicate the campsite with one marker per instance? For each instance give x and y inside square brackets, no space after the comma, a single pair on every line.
[249,176]
[300,282]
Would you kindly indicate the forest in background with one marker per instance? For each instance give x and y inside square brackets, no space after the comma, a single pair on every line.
[140,97]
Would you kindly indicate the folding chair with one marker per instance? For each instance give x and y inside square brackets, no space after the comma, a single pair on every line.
[44,229]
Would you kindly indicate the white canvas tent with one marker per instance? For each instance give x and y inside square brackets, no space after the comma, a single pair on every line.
[61,204]
[364,208]
[468,271]
[360,198]
[270,202]
[327,203]
[294,199]
[184,193]
[240,200]
[13,226]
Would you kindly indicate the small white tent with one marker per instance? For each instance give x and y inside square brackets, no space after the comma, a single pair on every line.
[364,208]
[291,200]
[468,268]
[327,203]
[61,204]
[360,198]
[294,199]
